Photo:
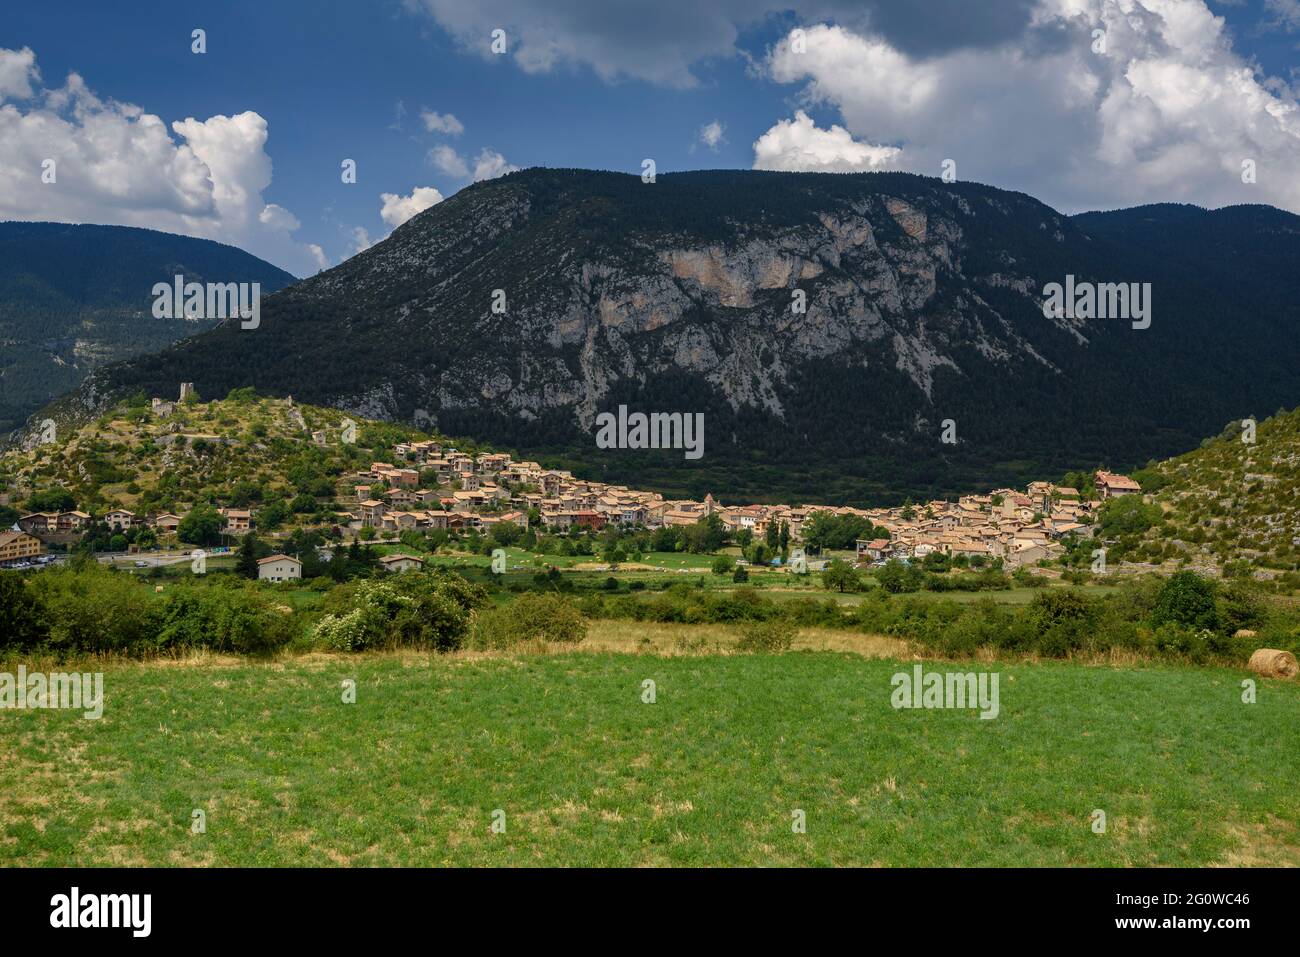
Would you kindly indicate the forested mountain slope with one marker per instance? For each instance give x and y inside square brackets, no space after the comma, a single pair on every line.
[73,297]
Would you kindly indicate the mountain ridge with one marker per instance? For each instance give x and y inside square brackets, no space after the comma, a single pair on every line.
[75,296]
[923,306]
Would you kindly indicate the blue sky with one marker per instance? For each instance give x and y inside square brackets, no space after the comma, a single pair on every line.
[1186,92]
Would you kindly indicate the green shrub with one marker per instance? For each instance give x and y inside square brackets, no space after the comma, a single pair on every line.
[1239,605]
[1173,638]
[1115,629]
[368,608]
[1023,577]
[767,636]
[531,617]
[413,609]
[23,622]
[1187,599]
[982,625]
[1064,621]
[873,614]
[94,609]
[243,620]
[1128,515]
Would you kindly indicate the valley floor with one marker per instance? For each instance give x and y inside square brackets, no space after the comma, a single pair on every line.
[711,773]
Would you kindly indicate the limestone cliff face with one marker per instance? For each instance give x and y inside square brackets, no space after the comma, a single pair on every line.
[872,280]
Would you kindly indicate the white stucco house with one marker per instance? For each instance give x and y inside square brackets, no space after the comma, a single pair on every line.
[278,568]
[400,563]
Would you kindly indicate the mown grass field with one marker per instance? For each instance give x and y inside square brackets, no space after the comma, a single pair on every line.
[709,774]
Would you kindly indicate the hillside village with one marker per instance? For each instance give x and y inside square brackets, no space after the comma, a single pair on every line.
[429,484]
[1016,527]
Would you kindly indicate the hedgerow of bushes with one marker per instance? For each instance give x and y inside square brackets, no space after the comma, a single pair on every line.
[85,608]
[88,609]
[1186,617]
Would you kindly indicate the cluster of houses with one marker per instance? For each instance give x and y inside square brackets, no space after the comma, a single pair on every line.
[437,487]
[1018,527]
[466,485]
[54,525]
[32,533]
[480,491]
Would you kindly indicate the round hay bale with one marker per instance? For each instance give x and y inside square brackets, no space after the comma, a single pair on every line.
[1271,663]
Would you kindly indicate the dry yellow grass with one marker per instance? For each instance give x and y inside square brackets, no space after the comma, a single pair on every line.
[1271,844]
[667,639]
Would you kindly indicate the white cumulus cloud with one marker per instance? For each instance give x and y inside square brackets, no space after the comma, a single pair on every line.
[798,145]
[361,240]
[1166,111]
[711,135]
[277,217]
[398,209]
[448,161]
[491,164]
[116,164]
[442,123]
[664,41]
[17,73]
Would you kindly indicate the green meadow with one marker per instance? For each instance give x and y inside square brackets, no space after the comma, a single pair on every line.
[712,772]
[520,559]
